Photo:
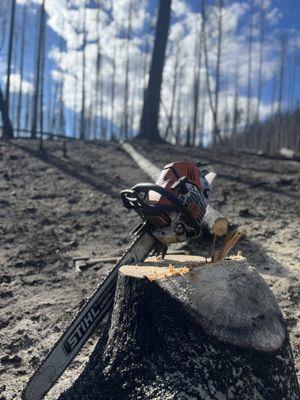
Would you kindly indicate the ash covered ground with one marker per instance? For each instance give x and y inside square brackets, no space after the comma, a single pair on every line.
[53,208]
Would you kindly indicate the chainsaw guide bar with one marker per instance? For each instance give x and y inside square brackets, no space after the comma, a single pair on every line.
[81,328]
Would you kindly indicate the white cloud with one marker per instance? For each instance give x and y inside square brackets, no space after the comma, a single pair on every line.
[23,2]
[180,8]
[15,80]
[273,15]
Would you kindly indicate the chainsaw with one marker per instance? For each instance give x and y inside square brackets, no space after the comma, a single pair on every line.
[171,211]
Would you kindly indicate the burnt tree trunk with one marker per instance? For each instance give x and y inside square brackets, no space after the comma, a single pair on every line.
[7,126]
[38,72]
[22,53]
[83,78]
[149,121]
[10,51]
[215,332]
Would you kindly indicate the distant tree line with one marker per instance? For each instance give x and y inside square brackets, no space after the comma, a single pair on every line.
[241,126]
[282,130]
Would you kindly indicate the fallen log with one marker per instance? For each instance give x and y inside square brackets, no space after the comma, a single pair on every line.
[214,221]
[289,154]
[215,332]
[143,163]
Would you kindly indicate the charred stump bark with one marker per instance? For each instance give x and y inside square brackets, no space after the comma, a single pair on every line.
[215,332]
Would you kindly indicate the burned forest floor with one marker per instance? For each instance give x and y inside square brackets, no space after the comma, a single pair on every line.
[55,207]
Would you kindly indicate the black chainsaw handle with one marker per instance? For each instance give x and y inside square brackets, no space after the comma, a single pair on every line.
[132,200]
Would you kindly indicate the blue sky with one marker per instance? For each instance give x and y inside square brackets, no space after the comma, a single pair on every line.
[290,13]
[64,25]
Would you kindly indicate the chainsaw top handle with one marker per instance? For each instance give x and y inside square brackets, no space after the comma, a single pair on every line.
[134,198]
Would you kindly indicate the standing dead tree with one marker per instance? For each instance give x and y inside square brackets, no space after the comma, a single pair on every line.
[12,95]
[98,76]
[197,79]
[179,106]
[213,97]
[292,82]
[169,128]
[9,133]
[38,71]
[150,113]
[27,112]
[226,115]
[75,119]
[3,23]
[236,111]
[113,84]
[127,66]
[7,126]
[261,54]
[61,118]
[42,75]
[83,75]
[102,95]
[202,122]
[50,103]
[281,89]
[133,102]
[249,86]
[20,95]
[57,108]
[260,71]
[10,51]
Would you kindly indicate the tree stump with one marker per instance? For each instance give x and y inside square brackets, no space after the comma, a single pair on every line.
[215,332]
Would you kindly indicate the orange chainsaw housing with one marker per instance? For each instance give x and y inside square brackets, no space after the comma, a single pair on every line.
[168,178]
[175,205]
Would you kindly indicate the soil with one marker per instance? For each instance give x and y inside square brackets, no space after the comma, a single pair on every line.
[54,208]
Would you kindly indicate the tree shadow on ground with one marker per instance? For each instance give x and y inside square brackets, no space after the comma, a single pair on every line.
[74,169]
